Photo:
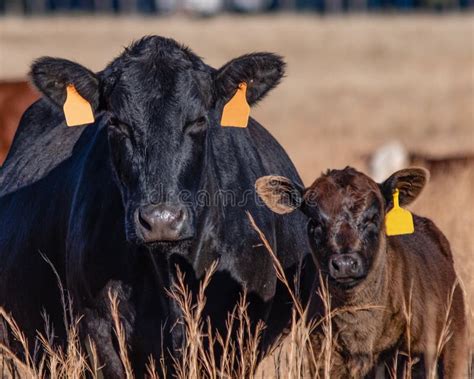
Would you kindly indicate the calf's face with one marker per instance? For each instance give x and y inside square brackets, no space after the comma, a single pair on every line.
[161,101]
[345,217]
[346,211]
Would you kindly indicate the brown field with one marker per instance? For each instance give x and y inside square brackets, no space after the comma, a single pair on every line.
[353,83]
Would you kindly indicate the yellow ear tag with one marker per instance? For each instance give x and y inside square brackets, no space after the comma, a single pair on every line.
[77,110]
[237,111]
[398,220]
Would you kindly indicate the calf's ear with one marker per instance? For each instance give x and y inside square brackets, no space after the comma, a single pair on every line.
[260,71]
[53,75]
[279,194]
[409,182]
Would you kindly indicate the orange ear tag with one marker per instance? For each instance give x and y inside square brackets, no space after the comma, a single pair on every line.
[236,112]
[77,110]
[398,221]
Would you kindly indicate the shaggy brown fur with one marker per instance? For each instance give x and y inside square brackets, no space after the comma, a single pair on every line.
[408,279]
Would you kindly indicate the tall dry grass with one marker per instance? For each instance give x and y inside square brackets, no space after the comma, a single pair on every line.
[293,357]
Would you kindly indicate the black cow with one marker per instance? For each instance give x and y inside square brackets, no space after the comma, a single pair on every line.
[104,203]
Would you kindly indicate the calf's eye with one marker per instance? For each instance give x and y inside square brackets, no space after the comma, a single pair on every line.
[370,224]
[315,230]
[370,228]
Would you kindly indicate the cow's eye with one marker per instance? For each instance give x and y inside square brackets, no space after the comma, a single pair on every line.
[199,122]
[315,230]
[370,223]
[120,128]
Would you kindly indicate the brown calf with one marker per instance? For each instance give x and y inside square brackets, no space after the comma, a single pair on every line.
[15,98]
[385,278]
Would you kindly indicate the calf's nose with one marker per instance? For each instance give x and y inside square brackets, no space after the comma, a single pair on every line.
[161,222]
[345,266]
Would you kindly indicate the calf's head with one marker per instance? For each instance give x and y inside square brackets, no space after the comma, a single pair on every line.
[161,101]
[345,211]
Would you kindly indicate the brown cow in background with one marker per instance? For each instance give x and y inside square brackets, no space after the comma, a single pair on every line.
[394,156]
[15,98]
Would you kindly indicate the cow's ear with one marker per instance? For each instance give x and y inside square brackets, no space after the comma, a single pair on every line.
[52,76]
[260,71]
[279,194]
[409,182]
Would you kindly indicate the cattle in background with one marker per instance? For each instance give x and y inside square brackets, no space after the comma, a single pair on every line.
[410,273]
[394,156]
[115,204]
[15,98]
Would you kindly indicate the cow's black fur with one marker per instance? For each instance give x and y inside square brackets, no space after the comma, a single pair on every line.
[71,194]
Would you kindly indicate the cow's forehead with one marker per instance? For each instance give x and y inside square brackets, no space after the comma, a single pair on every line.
[343,192]
[159,75]
[157,65]
[152,50]
[157,88]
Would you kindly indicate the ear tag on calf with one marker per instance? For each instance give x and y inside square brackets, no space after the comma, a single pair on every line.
[77,110]
[236,112]
[398,221]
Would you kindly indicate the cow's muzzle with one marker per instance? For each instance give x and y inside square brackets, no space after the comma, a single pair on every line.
[163,223]
[346,268]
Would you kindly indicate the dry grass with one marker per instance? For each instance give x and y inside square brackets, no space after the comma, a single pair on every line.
[196,358]
[353,83]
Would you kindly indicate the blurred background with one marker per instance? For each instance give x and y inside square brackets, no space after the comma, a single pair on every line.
[211,7]
[375,84]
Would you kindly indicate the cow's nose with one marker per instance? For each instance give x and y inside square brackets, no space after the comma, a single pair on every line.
[161,222]
[346,266]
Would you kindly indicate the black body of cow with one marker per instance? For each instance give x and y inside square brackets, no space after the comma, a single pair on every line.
[102,202]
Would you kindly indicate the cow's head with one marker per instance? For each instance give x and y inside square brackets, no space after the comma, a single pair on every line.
[346,211]
[162,100]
